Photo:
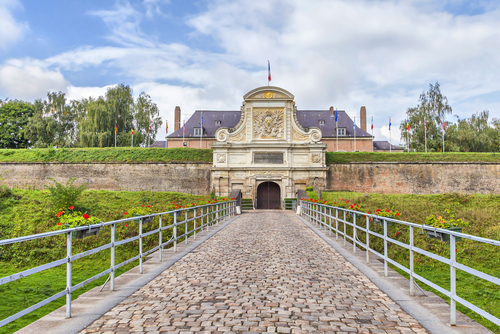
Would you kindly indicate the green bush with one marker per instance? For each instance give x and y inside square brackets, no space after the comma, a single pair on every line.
[309,189]
[64,196]
[5,192]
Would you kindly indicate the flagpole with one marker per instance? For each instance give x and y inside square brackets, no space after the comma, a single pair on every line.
[132,141]
[201,129]
[115,134]
[183,131]
[354,126]
[443,134]
[390,136]
[337,129]
[425,134]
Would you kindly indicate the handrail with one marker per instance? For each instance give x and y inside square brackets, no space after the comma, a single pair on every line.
[210,214]
[317,213]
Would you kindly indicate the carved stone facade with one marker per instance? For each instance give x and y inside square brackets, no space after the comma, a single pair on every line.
[268,144]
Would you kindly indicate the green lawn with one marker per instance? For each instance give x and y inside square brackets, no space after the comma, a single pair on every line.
[140,155]
[483,214]
[27,212]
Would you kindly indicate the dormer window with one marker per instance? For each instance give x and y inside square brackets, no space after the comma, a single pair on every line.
[198,132]
[340,131]
[321,122]
[217,123]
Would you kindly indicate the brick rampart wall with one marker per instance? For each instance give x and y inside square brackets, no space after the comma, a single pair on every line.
[416,178]
[181,177]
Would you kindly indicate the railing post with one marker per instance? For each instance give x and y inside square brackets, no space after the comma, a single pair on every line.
[412,279]
[140,245]
[337,224]
[386,270]
[354,232]
[367,239]
[201,221]
[453,281]
[345,232]
[112,273]
[330,220]
[68,273]
[175,231]
[217,213]
[160,239]
[194,221]
[186,226]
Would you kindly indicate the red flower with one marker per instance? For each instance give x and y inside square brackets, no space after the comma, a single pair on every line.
[368,212]
[346,201]
[86,216]
[193,204]
[377,210]
[149,206]
[397,233]
[397,213]
[351,207]
[354,204]
[142,205]
[173,202]
[59,214]
[125,213]
[58,224]
[387,210]
[324,202]
[71,207]
[126,225]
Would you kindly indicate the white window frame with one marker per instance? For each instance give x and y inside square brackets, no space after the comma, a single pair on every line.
[198,132]
[321,122]
[217,123]
[341,132]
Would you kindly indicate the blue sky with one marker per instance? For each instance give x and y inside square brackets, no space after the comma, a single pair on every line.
[208,54]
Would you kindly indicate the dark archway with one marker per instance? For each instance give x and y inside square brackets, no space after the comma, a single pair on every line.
[268,196]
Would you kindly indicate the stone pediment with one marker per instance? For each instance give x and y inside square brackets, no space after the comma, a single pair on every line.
[268,93]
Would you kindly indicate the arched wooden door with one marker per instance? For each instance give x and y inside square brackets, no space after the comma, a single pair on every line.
[268,196]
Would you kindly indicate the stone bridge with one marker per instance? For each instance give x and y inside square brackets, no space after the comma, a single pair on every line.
[262,272]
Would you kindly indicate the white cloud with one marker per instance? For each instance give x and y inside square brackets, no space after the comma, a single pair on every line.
[29,81]
[10,29]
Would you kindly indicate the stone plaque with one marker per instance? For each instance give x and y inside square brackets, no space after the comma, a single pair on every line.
[268,158]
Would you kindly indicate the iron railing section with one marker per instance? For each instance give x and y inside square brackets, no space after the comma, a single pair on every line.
[203,217]
[329,217]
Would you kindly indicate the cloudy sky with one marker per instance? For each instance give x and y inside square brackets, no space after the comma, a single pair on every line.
[207,54]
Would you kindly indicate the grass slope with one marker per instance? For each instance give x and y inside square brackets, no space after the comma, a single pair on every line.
[110,154]
[483,214]
[27,212]
[138,155]
[347,157]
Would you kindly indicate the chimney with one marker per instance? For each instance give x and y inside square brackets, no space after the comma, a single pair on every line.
[332,112]
[362,118]
[177,118]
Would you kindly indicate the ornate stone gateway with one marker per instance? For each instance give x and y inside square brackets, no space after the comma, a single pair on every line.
[268,196]
[268,145]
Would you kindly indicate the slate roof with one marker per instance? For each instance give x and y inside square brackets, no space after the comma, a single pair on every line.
[384,146]
[228,119]
[307,118]
[159,143]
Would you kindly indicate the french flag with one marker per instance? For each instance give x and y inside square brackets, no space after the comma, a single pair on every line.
[268,71]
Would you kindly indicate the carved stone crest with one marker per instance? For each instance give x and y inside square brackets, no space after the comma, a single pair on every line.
[268,124]
[221,158]
[316,158]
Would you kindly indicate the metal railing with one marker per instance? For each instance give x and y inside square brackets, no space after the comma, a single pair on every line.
[323,215]
[209,214]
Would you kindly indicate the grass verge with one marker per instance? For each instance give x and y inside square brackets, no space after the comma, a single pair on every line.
[483,214]
[348,157]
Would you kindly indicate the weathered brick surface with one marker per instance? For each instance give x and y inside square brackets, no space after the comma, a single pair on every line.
[266,272]
[415,178]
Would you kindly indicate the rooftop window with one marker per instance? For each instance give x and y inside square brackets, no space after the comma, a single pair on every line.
[340,131]
[217,123]
[321,122]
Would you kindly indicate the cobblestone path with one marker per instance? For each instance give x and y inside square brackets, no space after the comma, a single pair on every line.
[265,272]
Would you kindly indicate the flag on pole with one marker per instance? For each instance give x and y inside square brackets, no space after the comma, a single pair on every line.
[425,124]
[268,71]
[201,120]
[372,122]
[407,124]
[132,132]
[336,114]
[166,128]
[149,128]
[389,123]
[116,128]
[443,124]
[184,128]
[354,124]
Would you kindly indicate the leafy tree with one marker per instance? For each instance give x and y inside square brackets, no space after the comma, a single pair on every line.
[475,135]
[146,113]
[14,118]
[432,108]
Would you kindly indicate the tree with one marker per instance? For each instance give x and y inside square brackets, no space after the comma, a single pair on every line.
[146,113]
[14,118]
[475,135]
[99,116]
[432,108]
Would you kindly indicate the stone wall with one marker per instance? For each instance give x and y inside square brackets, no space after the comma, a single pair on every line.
[180,177]
[416,178]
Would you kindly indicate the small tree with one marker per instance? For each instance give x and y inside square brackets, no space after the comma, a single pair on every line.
[64,196]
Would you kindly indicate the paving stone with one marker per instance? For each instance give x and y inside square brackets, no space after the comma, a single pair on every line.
[265,272]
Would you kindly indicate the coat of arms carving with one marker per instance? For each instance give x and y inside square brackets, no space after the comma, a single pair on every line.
[268,123]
